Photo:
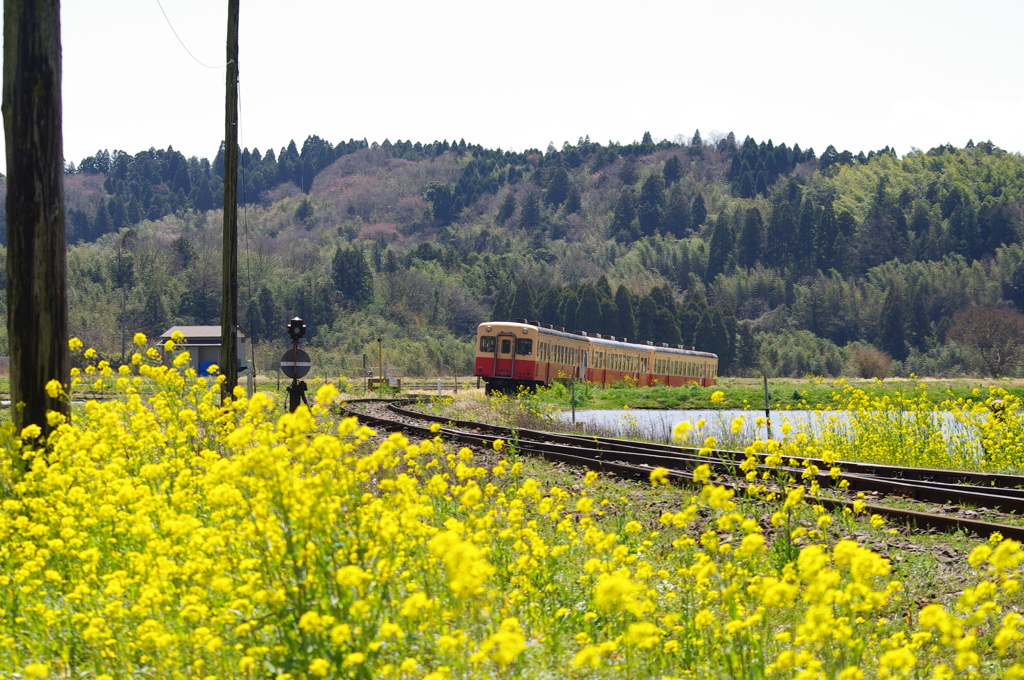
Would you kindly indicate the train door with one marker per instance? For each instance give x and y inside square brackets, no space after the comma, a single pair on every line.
[504,355]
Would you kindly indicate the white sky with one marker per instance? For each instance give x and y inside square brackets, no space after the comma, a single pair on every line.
[859,75]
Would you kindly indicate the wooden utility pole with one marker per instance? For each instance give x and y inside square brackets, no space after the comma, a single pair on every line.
[229,311]
[37,309]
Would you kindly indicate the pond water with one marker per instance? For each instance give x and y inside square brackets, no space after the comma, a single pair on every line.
[656,425]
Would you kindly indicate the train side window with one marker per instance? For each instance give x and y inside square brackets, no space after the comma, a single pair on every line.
[506,345]
[524,346]
[487,343]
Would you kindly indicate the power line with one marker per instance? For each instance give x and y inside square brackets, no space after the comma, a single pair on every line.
[180,41]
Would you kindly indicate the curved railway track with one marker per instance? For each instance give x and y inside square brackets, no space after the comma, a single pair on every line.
[955,492]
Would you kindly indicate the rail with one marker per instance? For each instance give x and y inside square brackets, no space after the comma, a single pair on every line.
[953,490]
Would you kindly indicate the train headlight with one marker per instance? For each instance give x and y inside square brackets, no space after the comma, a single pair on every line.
[525,331]
[487,328]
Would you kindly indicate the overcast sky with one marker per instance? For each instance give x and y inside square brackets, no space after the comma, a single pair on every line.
[858,75]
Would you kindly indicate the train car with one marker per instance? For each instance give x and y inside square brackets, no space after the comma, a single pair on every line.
[514,355]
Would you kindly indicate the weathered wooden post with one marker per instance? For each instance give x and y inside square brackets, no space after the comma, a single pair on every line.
[37,309]
[229,311]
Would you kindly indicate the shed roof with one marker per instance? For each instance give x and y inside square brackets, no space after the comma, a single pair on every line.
[199,335]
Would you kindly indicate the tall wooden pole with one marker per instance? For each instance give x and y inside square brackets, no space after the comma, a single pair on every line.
[229,311]
[37,309]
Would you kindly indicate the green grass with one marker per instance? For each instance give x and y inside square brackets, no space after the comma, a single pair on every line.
[744,393]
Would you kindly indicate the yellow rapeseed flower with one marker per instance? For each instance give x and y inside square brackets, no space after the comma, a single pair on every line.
[54,389]
[140,339]
[319,667]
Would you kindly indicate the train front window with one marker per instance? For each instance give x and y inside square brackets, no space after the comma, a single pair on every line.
[524,346]
[506,345]
[487,343]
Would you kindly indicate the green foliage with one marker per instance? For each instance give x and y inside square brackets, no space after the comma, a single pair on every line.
[424,241]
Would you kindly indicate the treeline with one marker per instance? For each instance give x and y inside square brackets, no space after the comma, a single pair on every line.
[776,259]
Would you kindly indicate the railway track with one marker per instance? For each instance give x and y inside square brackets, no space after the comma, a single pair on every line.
[950,495]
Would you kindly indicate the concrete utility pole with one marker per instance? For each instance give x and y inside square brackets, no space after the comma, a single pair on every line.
[229,310]
[37,303]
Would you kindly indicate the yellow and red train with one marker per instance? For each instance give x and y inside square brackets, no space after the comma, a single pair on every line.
[514,355]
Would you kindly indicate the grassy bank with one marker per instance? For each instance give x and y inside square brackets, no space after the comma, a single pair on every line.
[784,393]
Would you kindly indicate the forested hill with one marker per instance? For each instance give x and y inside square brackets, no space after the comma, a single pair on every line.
[778,259]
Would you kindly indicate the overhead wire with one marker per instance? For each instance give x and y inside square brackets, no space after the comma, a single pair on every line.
[242,172]
[182,42]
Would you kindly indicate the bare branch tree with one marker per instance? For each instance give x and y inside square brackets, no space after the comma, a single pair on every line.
[993,334]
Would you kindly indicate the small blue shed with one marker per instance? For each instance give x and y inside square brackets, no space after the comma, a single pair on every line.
[203,345]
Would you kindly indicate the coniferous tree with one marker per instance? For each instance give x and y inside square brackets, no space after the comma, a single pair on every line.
[698,212]
[522,305]
[629,173]
[646,319]
[676,219]
[746,348]
[558,188]
[77,227]
[651,205]
[953,200]
[673,170]
[529,215]
[118,214]
[720,248]
[918,325]
[884,233]
[181,181]
[667,328]
[507,208]
[712,335]
[690,314]
[623,228]
[963,231]
[204,194]
[502,304]
[547,306]
[567,309]
[573,201]
[995,225]
[441,201]
[805,245]
[781,240]
[152,318]
[892,332]
[588,312]
[266,316]
[750,245]
[102,224]
[352,276]
[625,324]
[747,185]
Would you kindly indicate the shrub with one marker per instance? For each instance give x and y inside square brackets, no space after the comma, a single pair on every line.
[868,362]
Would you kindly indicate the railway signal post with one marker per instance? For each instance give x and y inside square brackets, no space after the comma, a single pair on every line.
[295,365]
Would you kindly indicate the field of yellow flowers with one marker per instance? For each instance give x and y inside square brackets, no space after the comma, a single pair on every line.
[170,536]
